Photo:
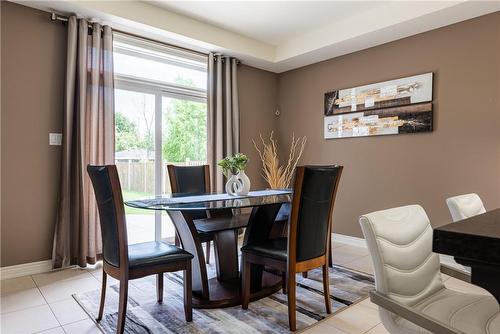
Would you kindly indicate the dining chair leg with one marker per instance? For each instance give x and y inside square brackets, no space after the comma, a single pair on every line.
[326,288]
[159,287]
[292,321]
[188,288]
[330,257]
[207,252]
[122,306]
[103,295]
[283,282]
[245,283]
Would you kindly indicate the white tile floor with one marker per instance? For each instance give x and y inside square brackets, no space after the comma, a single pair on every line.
[43,303]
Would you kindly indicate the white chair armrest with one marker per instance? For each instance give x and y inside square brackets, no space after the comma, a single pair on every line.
[416,317]
[456,273]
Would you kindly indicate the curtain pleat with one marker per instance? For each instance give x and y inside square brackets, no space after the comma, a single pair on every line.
[88,138]
[223,113]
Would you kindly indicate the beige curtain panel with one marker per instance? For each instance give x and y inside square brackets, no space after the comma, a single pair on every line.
[88,138]
[223,114]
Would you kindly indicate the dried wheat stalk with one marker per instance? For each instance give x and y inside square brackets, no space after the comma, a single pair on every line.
[279,177]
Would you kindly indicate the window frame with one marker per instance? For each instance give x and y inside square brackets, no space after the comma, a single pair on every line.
[192,60]
[182,58]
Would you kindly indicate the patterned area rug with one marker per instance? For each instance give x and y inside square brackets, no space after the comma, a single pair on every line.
[268,315]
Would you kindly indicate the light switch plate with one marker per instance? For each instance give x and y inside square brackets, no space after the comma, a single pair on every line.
[55,139]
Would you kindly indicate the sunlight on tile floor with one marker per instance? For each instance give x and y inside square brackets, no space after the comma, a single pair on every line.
[43,304]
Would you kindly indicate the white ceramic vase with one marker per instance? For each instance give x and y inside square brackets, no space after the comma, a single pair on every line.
[244,183]
[238,184]
[233,185]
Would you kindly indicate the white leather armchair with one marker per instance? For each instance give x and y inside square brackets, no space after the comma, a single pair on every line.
[465,206]
[409,289]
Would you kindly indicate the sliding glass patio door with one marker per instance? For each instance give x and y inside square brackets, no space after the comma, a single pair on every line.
[184,141]
[160,118]
[135,157]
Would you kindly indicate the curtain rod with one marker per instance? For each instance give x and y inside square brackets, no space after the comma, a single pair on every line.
[64,19]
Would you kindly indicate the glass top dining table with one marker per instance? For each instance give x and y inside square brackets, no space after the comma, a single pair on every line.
[223,225]
[215,201]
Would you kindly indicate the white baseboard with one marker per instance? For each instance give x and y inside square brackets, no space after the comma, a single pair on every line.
[347,239]
[25,269]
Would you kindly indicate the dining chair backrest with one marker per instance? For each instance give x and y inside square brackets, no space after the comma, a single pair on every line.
[465,206]
[109,199]
[312,208]
[189,179]
[400,245]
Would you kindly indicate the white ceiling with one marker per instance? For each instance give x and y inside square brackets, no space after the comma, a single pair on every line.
[273,35]
[272,22]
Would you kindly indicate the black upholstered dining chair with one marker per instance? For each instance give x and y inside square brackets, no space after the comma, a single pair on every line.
[194,180]
[126,262]
[307,245]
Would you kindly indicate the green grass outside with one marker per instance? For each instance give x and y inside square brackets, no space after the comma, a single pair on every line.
[133,195]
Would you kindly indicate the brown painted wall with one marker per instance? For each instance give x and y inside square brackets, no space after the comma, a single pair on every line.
[33,58]
[461,155]
[258,92]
